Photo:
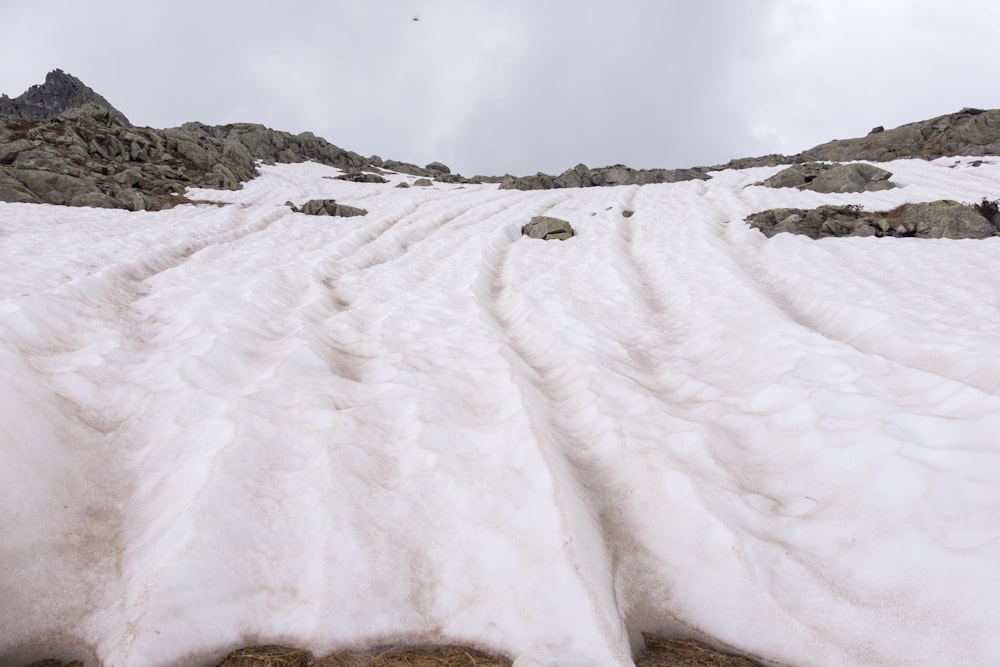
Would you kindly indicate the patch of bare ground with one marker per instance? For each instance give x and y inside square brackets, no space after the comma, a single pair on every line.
[662,652]
[659,652]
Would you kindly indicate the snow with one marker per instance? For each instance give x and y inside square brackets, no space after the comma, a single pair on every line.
[233,424]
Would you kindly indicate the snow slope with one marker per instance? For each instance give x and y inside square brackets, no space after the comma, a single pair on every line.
[224,425]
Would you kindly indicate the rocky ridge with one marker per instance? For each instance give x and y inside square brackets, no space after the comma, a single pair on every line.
[582,176]
[62,143]
[970,132]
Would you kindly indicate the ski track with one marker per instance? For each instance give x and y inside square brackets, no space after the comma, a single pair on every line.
[331,408]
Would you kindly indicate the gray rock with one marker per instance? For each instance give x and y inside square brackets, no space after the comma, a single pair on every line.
[423,182]
[821,177]
[47,160]
[548,228]
[53,188]
[539,181]
[329,207]
[940,219]
[129,177]
[10,150]
[355,176]
[577,177]
[13,190]
[404,168]
[945,220]
[438,167]
[130,199]
[93,200]
[581,177]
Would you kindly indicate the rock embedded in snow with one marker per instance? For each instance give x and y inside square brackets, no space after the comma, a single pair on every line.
[329,207]
[945,219]
[548,228]
[423,182]
[358,176]
[822,177]
[928,220]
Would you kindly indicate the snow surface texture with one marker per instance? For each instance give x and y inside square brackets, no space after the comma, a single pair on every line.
[225,425]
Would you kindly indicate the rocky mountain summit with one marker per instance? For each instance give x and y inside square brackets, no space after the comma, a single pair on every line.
[60,92]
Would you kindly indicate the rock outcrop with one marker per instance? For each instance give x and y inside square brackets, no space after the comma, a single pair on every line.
[548,228]
[928,220]
[582,176]
[825,177]
[86,156]
[969,132]
[62,143]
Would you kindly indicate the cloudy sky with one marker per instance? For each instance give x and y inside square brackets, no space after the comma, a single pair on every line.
[519,86]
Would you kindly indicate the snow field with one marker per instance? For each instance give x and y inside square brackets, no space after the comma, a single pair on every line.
[225,424]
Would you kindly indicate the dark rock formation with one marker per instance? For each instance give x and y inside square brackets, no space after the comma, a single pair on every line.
[59,93]
[927,220]
[547,228]
[581,176]
[329,207]
[824,177]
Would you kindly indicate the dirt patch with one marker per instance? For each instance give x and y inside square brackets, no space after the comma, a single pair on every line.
[662,652]
[659,652]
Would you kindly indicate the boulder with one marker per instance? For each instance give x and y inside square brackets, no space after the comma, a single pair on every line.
[361,177]
[438,168]
[329,207]
[548,228]
[577,177]
[822,177]
[944,220]
[423,182]
[404,168]
[539,181]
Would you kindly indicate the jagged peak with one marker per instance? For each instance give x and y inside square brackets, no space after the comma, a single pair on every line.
[59,93]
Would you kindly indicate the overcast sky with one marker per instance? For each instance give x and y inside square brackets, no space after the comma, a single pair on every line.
[519,86]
